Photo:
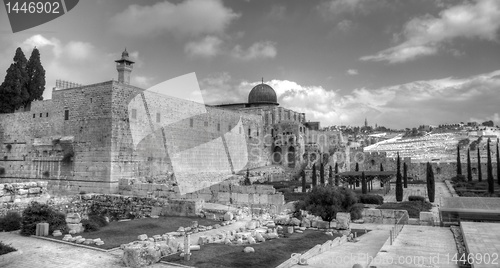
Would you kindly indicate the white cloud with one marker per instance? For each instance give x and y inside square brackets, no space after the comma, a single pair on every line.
[399,106]
[336,7]
[258,50]
[188,18]
[208,47]
[352,72]
[345,25]
[142,81]
[79,50]
[427,34]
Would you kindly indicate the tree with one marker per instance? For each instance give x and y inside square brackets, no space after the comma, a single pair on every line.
[322,173]
[399,184]
[13,90]
[479,173]
[330,176]
[498,164]
[36,77]
[314,182]
[459,163]
[381,167]
[431,185]
[469,168]
[303,176]
[357,167]
[336,174]
[356,183]
[405,175]
[363,183]
[489,169]
[325,202]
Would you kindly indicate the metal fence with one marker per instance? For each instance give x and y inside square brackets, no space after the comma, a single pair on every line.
[396,229]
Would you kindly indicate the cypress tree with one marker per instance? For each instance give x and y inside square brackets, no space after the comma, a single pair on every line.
[459,163]
[357,167]
[469,168]
[479,173]
[13,91]
[363,183]
[36,77]
[322,174]
[336,174]
[356,183]
[330,176]
[381,167]
[431,186]
[314,182]
[399,183]
[489,169]
[498,164]
[303,176]
[405,175]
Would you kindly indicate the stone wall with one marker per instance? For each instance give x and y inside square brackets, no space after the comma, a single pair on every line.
[17,196]
[385,216]
[228,192]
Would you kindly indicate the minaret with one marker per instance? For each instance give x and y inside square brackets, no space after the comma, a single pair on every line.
[124,68]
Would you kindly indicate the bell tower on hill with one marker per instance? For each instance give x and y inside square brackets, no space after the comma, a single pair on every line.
[124,67]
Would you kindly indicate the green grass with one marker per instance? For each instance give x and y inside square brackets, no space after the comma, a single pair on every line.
[117,233]
[413,207]
[268,254]
[4,249]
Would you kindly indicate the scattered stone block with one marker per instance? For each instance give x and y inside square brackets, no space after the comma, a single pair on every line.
[299,231]
[143,237]
[343,220]
[251,240]
[140,253]
[294,222]
[248,250]
[56,233]
[73,218]
[80,240]
[194,247]
[251,225]
[75,227]
[228,216]
[88,242]
[181,229]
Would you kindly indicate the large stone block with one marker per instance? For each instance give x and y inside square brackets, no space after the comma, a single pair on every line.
[141,253]
[76,228]
[343,220]
[387,213]
[371,212]
[73,218]
[426,217]
[223,197]
[242,198]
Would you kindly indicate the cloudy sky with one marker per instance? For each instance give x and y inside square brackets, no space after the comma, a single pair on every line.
[398,63]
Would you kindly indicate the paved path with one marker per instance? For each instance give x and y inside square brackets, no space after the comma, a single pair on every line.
[348,254]
[482,240]
[34,252]
[418,246]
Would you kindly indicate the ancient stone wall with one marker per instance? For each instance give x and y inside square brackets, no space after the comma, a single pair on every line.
[46,142]
[17,196]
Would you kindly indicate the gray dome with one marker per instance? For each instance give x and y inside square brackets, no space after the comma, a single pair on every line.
[262,94]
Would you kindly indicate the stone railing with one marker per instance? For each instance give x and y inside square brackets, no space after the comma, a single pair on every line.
[385,216]
[316,250]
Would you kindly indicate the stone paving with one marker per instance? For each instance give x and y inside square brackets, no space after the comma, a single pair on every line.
[34,252]
[418,246]
[482,240]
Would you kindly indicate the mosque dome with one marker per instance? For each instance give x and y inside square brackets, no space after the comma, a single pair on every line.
[262,94]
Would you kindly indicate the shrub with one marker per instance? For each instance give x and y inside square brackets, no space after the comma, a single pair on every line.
[371,199]
[9,147]
[325,202]
[99,219]
[10,222]
[36,213]
[416,198]
[357,211]
[4,249]
[46,173]
[2,171]
[459,178]
[90,225]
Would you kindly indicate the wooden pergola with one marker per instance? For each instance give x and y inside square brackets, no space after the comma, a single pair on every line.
[354,178]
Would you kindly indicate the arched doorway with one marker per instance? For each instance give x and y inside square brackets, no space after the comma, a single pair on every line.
[277,155]
[291,157]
